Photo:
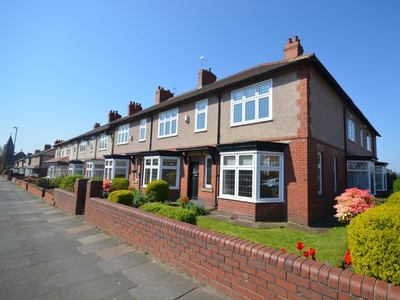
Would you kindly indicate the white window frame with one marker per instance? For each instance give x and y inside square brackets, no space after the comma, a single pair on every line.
[320,173]
[68,150]
[361,175]
[82,146]
[91,145]
[142,130]
[123,134]
[361,137]
[351,125]
[75,169]
[380,178]
[116,167]
[201,109]
[262,161]
[241,98]
[168,123]
[208,171]
[335,174]
[369,141]
[153,167]
[103,141]
[95,168]
[58,152]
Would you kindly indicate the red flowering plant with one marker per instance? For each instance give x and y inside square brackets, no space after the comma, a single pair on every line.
[351,203]
[306,253]
[183,201]
[347,259]
[107,187]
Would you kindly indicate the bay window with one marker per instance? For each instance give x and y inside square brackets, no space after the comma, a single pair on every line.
[162,167]
[361,175]
[255,176]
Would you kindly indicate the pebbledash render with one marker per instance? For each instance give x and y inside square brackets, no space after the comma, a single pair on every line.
[277,142]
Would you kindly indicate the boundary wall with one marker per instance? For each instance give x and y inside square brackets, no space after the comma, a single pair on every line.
[240,269]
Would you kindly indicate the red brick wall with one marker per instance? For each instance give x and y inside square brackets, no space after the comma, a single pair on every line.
[65,201]
[238,268]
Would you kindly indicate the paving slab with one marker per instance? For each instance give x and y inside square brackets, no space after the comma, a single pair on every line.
[47,254]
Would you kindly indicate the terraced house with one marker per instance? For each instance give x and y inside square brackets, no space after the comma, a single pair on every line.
[276,142]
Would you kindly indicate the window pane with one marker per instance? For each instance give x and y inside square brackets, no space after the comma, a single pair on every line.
[251,92]
[228,182]
[169,175]
[229,160]
[201,121]
[201,105]
[263,108]
[269,184]
[246,160]
[161,133]
[173,127]
[245,183]
[358,180]
[167,128]
[269,160]
[237,113]
[238,95]
[264,88]
[170,162]
[250,110]
[208,171]
[354,165]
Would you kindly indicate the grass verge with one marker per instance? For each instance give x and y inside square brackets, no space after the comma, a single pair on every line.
[330,246]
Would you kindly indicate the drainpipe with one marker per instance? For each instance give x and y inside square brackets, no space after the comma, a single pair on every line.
[345,141]
[217,166]
[151,133]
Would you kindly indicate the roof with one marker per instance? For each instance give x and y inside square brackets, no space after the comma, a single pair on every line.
[57,160]
[235,80]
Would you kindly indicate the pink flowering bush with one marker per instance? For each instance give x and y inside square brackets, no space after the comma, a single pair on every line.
[107,187]
[351,203]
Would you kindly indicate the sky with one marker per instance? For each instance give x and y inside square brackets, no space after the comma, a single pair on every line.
[65,64]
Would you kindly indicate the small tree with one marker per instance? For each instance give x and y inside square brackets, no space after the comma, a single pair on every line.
[351,203]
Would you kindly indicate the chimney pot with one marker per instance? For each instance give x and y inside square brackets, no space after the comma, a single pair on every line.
[292,49]
[206,77]
[162,95]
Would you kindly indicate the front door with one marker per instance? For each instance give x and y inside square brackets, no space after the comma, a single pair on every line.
[194,178]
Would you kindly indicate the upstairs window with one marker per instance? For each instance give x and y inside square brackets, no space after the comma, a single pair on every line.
[123,132]
[142,130]
[168,123]
[201,115]
[320,173]
[103,141]
[252,104]
[369,142]
[82,147]
[351,128]
[361,137]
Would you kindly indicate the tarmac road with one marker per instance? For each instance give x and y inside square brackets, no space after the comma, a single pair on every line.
[46,253]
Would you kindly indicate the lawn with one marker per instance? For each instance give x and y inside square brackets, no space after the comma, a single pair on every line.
[330,246]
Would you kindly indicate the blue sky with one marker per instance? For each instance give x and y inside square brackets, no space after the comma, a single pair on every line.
[65,64]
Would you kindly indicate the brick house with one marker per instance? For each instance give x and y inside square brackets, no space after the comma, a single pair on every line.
[276,142]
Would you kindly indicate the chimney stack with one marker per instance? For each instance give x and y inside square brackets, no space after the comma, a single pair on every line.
[293,48]
[113,115]
[37,151]
[206,77]
[134,108]
[162,95]
[47,146]
[96,125]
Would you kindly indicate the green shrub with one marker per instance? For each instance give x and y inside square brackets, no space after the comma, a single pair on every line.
[120,184]
[177,213]
[374,241]
[158,191]
[41,182]
[138,198]
[55,182]
[68,182]
[396,185]
[122,197]
[96,178]
[394,198]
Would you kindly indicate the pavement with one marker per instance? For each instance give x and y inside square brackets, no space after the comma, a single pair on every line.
[48,254]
